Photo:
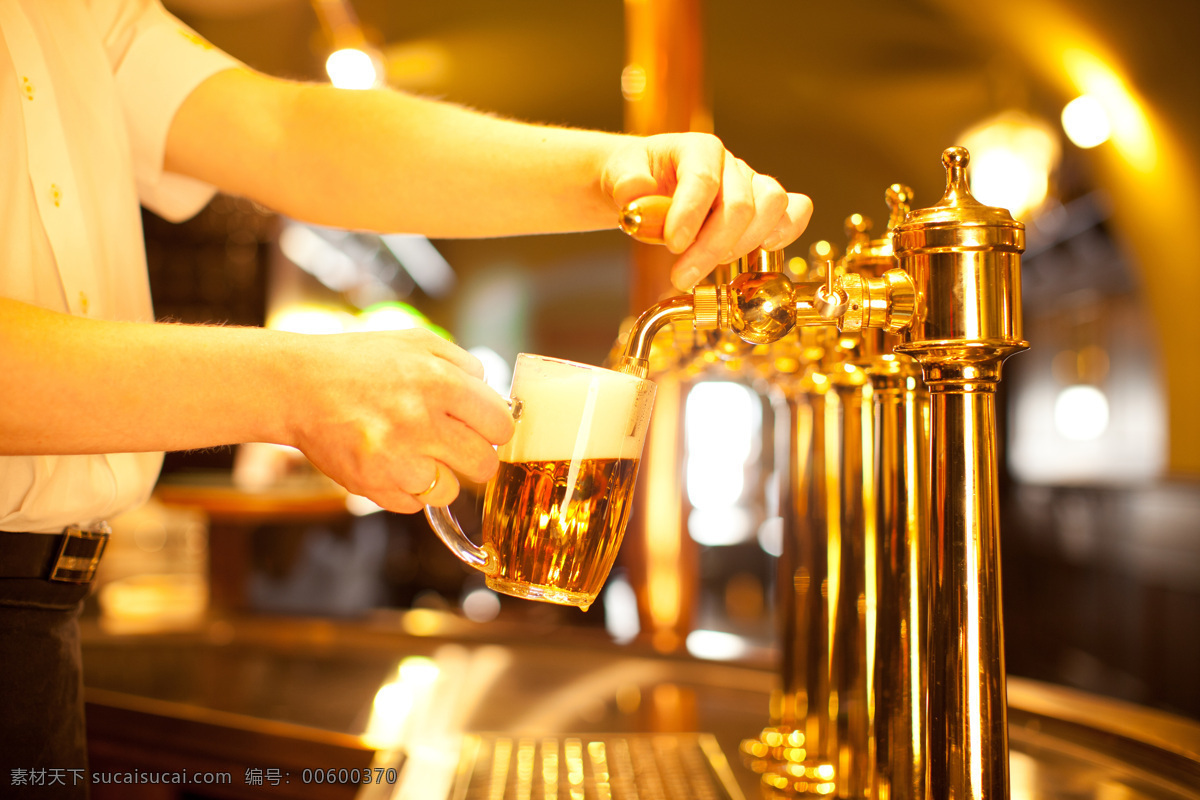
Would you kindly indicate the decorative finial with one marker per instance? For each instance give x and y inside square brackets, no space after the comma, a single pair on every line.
[958,190]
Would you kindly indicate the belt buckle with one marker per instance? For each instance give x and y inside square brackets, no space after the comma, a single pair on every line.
[80,552]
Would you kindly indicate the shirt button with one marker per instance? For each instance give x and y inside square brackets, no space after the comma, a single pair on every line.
[27,88]
[56,194]
[83,302]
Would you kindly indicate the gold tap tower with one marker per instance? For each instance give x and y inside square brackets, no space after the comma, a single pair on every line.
[965,261]
[911,490]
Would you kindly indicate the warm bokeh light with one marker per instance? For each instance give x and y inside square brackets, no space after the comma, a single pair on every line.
[661,490]
[620,609]
[395,700]
[633,82]
[722,421]
[822,249]
[1085,122]
[1131,132]
[351,68]
[497,372]
[716,645]
[1012,158]
[393,315]
[1081,412]
[481,605]
[310,318]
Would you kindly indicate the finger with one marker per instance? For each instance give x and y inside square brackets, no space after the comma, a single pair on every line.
[440,489]
[632,186]
[770,206]
[477,405]
[449,351]
[465,451]
[398,502]
[699,171]
[793,222]
[630,173]
[389,491]
[732,214]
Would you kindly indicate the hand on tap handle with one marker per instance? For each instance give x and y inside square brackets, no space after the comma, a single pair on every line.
[691,194]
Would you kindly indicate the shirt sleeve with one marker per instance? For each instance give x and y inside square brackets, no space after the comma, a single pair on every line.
[157,62]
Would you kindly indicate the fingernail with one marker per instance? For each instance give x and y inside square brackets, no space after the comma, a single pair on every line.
[772,242]
[681,240]
[687,279]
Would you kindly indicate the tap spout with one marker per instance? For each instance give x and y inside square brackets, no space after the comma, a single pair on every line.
[635,359]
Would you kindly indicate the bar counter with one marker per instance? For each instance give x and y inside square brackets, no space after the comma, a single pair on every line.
[271,701]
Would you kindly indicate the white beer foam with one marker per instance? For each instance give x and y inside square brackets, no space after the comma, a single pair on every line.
[570,412]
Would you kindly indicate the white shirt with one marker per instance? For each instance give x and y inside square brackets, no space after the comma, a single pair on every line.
[88,89]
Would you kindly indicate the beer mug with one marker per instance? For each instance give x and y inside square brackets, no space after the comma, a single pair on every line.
[555,512]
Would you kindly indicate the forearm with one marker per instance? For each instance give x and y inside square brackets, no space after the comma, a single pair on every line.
[86,386]
[388,161]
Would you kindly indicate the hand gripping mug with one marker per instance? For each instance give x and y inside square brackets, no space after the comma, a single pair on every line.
[554,514]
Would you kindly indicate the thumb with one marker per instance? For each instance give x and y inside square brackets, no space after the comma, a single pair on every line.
[628,176]
[631,186]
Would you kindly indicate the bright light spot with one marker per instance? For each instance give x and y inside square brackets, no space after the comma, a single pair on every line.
[716,645]
[1002,178]
[389,715]
[319,257]
[481,605]
[496,370]
[722,423]
[620,610]
[351,69]
[310,319]
[1086,122]
[1132,134]
[1012,157]
[1081,412]
[394,702]
[423,622]
[633,82]
[391,317]
[422,261]
[720,525]
[770,536]
[418,670]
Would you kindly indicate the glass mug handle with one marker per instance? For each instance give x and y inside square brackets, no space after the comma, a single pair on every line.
[444,524]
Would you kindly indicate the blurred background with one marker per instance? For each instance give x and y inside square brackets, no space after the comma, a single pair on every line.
[1081,117]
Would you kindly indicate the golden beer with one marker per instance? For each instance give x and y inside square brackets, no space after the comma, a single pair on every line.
[554,527]
[554,514]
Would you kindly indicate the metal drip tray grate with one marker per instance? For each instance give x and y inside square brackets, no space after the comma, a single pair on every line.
[594,767]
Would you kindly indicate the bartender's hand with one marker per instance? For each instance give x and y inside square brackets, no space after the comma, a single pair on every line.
[721,208]
[389,413]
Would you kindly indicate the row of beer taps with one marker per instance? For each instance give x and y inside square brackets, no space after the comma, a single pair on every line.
[883,365]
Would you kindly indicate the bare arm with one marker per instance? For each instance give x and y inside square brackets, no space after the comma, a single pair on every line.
[373,411]
[390,162]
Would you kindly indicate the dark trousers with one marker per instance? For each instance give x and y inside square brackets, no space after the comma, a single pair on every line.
[43,747]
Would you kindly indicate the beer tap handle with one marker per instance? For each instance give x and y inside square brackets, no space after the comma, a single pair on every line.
[644,218]
[830,300]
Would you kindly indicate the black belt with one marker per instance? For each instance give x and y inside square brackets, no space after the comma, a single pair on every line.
[68,557]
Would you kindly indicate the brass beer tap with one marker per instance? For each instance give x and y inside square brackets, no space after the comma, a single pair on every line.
[964,259]
[947,295]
